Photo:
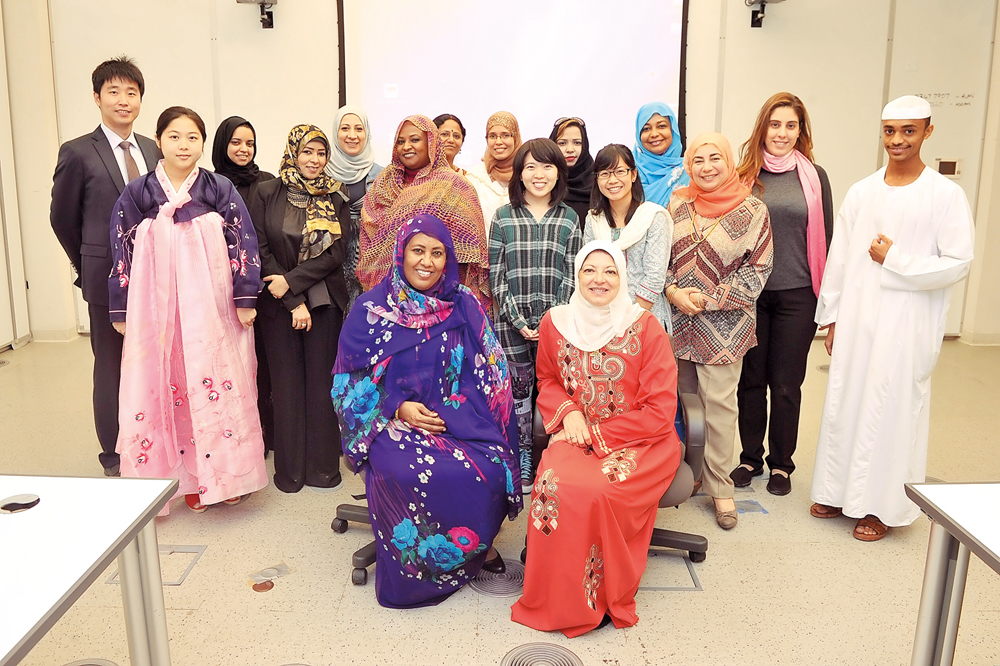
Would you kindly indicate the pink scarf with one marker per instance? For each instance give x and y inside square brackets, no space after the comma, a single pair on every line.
[815,229]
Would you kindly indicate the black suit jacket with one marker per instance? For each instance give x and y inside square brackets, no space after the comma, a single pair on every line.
[279,255]
[85,187]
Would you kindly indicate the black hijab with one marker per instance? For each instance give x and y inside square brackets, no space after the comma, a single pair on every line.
[581,174]
[242,176]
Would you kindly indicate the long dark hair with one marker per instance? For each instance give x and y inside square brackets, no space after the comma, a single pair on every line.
[547,152]
[606,160]
[752,151]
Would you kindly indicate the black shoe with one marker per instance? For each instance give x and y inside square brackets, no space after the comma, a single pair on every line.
[741,476]
[287,486]
[495,565]
[605,621]
[115,470]
[779,484]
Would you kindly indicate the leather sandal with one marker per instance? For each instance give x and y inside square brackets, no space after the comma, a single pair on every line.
[873,523]
[825,511]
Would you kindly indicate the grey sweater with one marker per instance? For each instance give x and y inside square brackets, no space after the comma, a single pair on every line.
[786,205]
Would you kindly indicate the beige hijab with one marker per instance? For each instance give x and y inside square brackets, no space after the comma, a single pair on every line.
[502,170]
[588,327]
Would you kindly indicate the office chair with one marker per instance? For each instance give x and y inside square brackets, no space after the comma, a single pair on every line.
[681,488]
[684,484]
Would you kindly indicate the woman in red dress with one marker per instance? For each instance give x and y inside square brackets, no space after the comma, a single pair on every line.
[607,390]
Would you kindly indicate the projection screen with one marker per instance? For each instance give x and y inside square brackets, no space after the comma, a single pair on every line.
[539,59]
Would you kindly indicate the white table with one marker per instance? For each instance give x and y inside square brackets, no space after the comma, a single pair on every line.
[963,519]
[50,554]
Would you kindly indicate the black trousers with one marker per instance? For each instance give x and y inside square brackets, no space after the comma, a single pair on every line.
[264,406]
[306,432]
[785,330]
[106,344]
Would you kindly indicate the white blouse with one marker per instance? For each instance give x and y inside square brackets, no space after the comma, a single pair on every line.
[492,194]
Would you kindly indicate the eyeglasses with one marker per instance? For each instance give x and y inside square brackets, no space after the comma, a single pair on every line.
[505,136]
[579,121]
[620,173]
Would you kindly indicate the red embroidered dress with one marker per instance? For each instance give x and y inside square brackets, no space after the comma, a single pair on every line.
[593,511]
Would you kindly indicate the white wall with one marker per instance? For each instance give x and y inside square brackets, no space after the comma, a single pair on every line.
[14,325]
[210,55]
[982,319]
[845,59]
[832,54]
[35,145]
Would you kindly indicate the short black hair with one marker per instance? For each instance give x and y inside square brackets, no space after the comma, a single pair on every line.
[547,152]
[440,120]
[123,68]
[172,113]
[606,160]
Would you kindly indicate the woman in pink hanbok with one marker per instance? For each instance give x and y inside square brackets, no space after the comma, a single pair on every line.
[185,279]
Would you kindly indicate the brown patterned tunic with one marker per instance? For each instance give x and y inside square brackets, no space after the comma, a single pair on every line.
[729,259]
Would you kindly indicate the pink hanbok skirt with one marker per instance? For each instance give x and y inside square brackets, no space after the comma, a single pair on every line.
[188,400]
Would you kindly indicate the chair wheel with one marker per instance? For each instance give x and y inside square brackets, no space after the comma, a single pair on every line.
[339,525]
[524,555]
[359,576]
[697,557]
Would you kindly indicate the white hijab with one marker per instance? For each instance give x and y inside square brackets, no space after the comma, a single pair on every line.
[341,166]
[588,327]
[631,233]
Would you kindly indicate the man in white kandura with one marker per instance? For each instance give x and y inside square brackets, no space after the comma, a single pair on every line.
[903,237]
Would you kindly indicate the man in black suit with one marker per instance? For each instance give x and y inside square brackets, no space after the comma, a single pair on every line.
[90,175]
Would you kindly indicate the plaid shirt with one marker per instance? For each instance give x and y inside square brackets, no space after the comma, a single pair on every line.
[531,270]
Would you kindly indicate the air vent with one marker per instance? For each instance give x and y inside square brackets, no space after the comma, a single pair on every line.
[540,654]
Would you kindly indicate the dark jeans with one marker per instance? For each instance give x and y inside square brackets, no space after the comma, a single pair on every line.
[785,330]
[106,344]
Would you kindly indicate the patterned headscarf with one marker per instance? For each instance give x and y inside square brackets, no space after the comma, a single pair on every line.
[322,227]
[421,309]
[504,168]
[435,190]
[343,167]
[659,174]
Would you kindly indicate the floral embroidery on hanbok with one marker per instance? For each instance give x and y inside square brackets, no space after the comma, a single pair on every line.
[593,575]
[545,504]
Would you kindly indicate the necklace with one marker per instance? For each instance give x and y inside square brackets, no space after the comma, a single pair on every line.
[695,230]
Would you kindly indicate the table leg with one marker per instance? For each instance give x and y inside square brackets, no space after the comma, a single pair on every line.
[135,620]
[940,600]
[152,595]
